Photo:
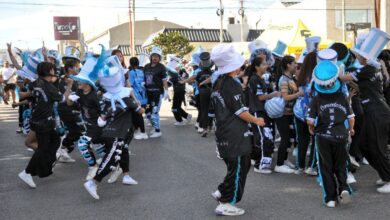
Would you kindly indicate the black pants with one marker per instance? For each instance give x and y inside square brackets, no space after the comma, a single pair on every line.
[74,131]
[154,104]
[204,97]
[85,142]
[197,100]
[178,112]
[286,130]
[138,121]
[354,149]
[263,142]
[116,153]
[45,155]
[232,188]
[21,110]
[374,138]
[332,158]
[303,141]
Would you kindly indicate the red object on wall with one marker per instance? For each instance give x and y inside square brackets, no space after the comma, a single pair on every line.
[66,28]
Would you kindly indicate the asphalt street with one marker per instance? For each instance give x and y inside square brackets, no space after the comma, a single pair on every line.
[176,174]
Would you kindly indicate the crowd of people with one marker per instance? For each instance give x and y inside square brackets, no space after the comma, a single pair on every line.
[328,109]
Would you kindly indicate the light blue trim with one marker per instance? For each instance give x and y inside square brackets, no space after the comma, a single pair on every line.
[334,89]
[314,153]
[236,182]
[319,178]
[297,147]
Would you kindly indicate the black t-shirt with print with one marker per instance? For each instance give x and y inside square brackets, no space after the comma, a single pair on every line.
[232,135]
[369,80]
[257,87]
[331,111]
[90,106]
[44,95]
[154,77]
[119,122]
[175,78]
[202,76]
[63,108]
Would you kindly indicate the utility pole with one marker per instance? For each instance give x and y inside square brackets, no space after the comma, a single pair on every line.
[343,19]
[220,14]
[242,13]
[133,31]
[131,26]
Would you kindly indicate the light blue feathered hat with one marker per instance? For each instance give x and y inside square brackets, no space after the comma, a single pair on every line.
[90,71]
[195,57]
[30,64]
[111,77]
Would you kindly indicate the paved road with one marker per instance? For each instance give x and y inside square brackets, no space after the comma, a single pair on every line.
[176,175]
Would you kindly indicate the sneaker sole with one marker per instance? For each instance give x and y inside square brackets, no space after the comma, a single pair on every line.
[90,193]
[228,214]
[381,191]
[32,186]
[345,198]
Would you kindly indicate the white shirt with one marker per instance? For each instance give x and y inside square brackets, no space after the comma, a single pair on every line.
[8,74]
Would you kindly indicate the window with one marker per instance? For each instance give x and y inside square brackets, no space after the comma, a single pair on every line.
[354,16]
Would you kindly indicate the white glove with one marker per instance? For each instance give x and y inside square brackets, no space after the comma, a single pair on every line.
[165,96]
[73,97]
[101,122]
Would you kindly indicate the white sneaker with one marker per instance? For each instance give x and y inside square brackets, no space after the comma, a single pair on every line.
[253,162]
[196,125]
[331,204]
[114,175]
[91,187]
[353,161]
[289,164]
[127,180]
[91,173]
[64,157]
[298,171]
[216,195]
[27,178]
[141,136]
[262,171]
[311,171]
[345,197]
[137,132]
[283,169]
[180,123]
[189,119]
[99,161]
[380,182]
[384,189]
[350,178]
[200,130]
[29,149]
[228,210]
[155,134]
[365,162]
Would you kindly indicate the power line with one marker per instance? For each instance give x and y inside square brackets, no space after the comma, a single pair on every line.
[176,7]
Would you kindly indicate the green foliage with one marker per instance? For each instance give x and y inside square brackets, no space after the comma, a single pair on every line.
[173,43]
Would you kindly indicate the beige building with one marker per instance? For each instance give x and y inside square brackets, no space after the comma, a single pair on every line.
[119,35]
[361,12]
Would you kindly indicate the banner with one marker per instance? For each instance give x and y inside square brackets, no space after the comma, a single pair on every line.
[66,28]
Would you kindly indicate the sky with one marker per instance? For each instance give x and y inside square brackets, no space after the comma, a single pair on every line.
[26,23]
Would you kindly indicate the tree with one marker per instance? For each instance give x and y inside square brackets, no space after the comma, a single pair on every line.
[173,43]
